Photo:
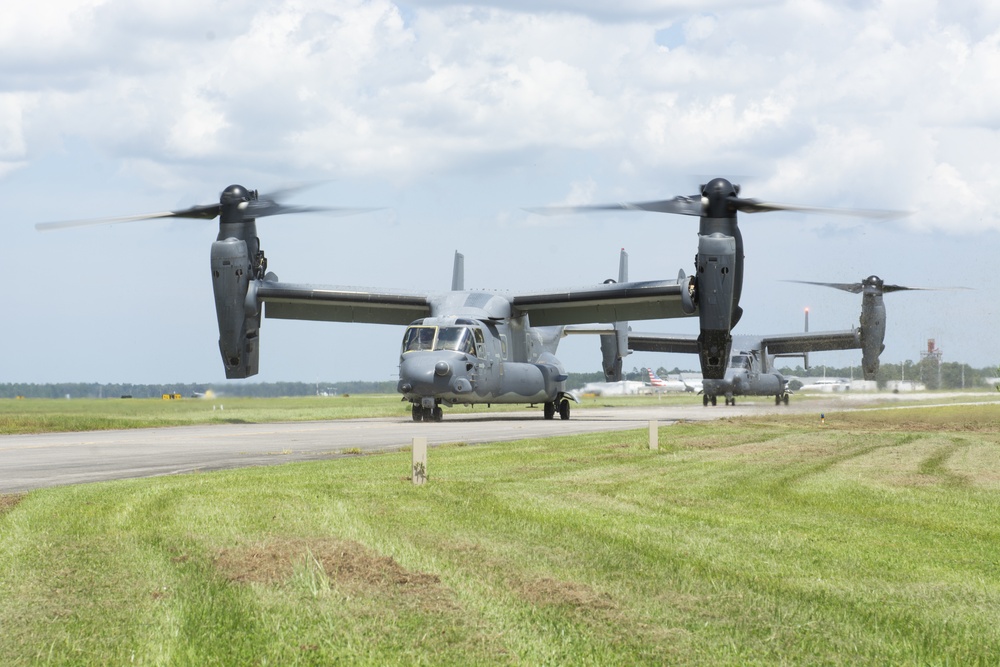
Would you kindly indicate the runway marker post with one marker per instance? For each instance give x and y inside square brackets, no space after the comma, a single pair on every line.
[419,467]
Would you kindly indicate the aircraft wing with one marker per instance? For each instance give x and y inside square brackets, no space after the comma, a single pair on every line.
[611,302]
[779,344]
[811,341]
[289,301]
[657,342]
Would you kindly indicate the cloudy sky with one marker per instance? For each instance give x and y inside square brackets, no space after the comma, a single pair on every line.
[452,117]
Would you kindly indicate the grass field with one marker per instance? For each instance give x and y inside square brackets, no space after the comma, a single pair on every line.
[872,539]
[92,414]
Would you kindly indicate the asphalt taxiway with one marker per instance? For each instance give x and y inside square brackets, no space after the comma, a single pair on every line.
[52,459]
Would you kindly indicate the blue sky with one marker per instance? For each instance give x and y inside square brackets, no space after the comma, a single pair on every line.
[453,117]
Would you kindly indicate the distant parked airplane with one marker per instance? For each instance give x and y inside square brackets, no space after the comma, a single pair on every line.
[659,384]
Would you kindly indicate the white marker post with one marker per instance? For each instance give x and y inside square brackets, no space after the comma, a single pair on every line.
[654,435]
[419,467]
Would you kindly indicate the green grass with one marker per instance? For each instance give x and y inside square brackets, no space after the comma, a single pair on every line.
[49,415]
[91,414]
[871,539]
[42,415]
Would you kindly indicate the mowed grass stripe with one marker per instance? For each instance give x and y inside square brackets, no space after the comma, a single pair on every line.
[741,542]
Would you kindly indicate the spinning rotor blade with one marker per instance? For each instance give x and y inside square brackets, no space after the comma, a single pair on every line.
[252,205]
[901,288]
[857,288]
[853,288]
[718,198]
[757,206]
[263,208]
[205,212]
[271,203]
[679,205]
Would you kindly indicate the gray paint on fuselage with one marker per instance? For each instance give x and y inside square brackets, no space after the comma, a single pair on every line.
[529,372]
[751,379]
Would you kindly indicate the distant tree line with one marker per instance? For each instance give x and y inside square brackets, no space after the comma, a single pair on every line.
[935,375]
[257,389]
[928,371]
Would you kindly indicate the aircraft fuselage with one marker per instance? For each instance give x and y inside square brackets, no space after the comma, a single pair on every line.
[463,360]
[744,377]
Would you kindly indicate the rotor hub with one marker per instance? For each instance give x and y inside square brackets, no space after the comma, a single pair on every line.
[234,194]
[872,285]
[715,197]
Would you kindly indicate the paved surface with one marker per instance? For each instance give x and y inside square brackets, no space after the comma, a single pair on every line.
[53,459]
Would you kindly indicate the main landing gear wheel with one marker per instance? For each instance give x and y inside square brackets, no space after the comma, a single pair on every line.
[704,400]
[549,410]
[417,412]
[564,409]
[729,401]
[713,400]
[784,399]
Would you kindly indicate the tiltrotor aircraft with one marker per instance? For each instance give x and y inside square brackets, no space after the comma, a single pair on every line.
[751,366]
[750,371]
[459,346]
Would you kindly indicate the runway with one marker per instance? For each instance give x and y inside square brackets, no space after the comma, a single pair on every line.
[53,459]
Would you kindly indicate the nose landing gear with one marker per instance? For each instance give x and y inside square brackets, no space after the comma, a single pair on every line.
[419,413]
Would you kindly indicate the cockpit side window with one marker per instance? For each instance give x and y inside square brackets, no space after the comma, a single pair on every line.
[480,343]
[740,361]
[418,338]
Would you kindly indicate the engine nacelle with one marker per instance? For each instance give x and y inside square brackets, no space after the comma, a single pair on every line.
[716,264]
[872,333]
[238,328]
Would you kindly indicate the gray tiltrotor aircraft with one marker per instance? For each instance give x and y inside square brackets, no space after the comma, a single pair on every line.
[459,347]
[751,366]
[472,347]
[750,370]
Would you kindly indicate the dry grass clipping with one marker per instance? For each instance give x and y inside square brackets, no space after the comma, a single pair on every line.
[9,501]
[343,561]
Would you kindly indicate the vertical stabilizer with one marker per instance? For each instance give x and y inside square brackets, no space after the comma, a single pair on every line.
[458,273]
[614,347]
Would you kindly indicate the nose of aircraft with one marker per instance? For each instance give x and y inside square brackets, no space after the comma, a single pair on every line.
[428,374]
[716,387]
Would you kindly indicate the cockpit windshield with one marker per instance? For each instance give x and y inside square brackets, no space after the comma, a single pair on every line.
[458,339]
[740,361]
[419,338]
[455,338]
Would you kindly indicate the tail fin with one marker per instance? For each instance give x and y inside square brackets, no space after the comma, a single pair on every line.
[614,347]
[458,273]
